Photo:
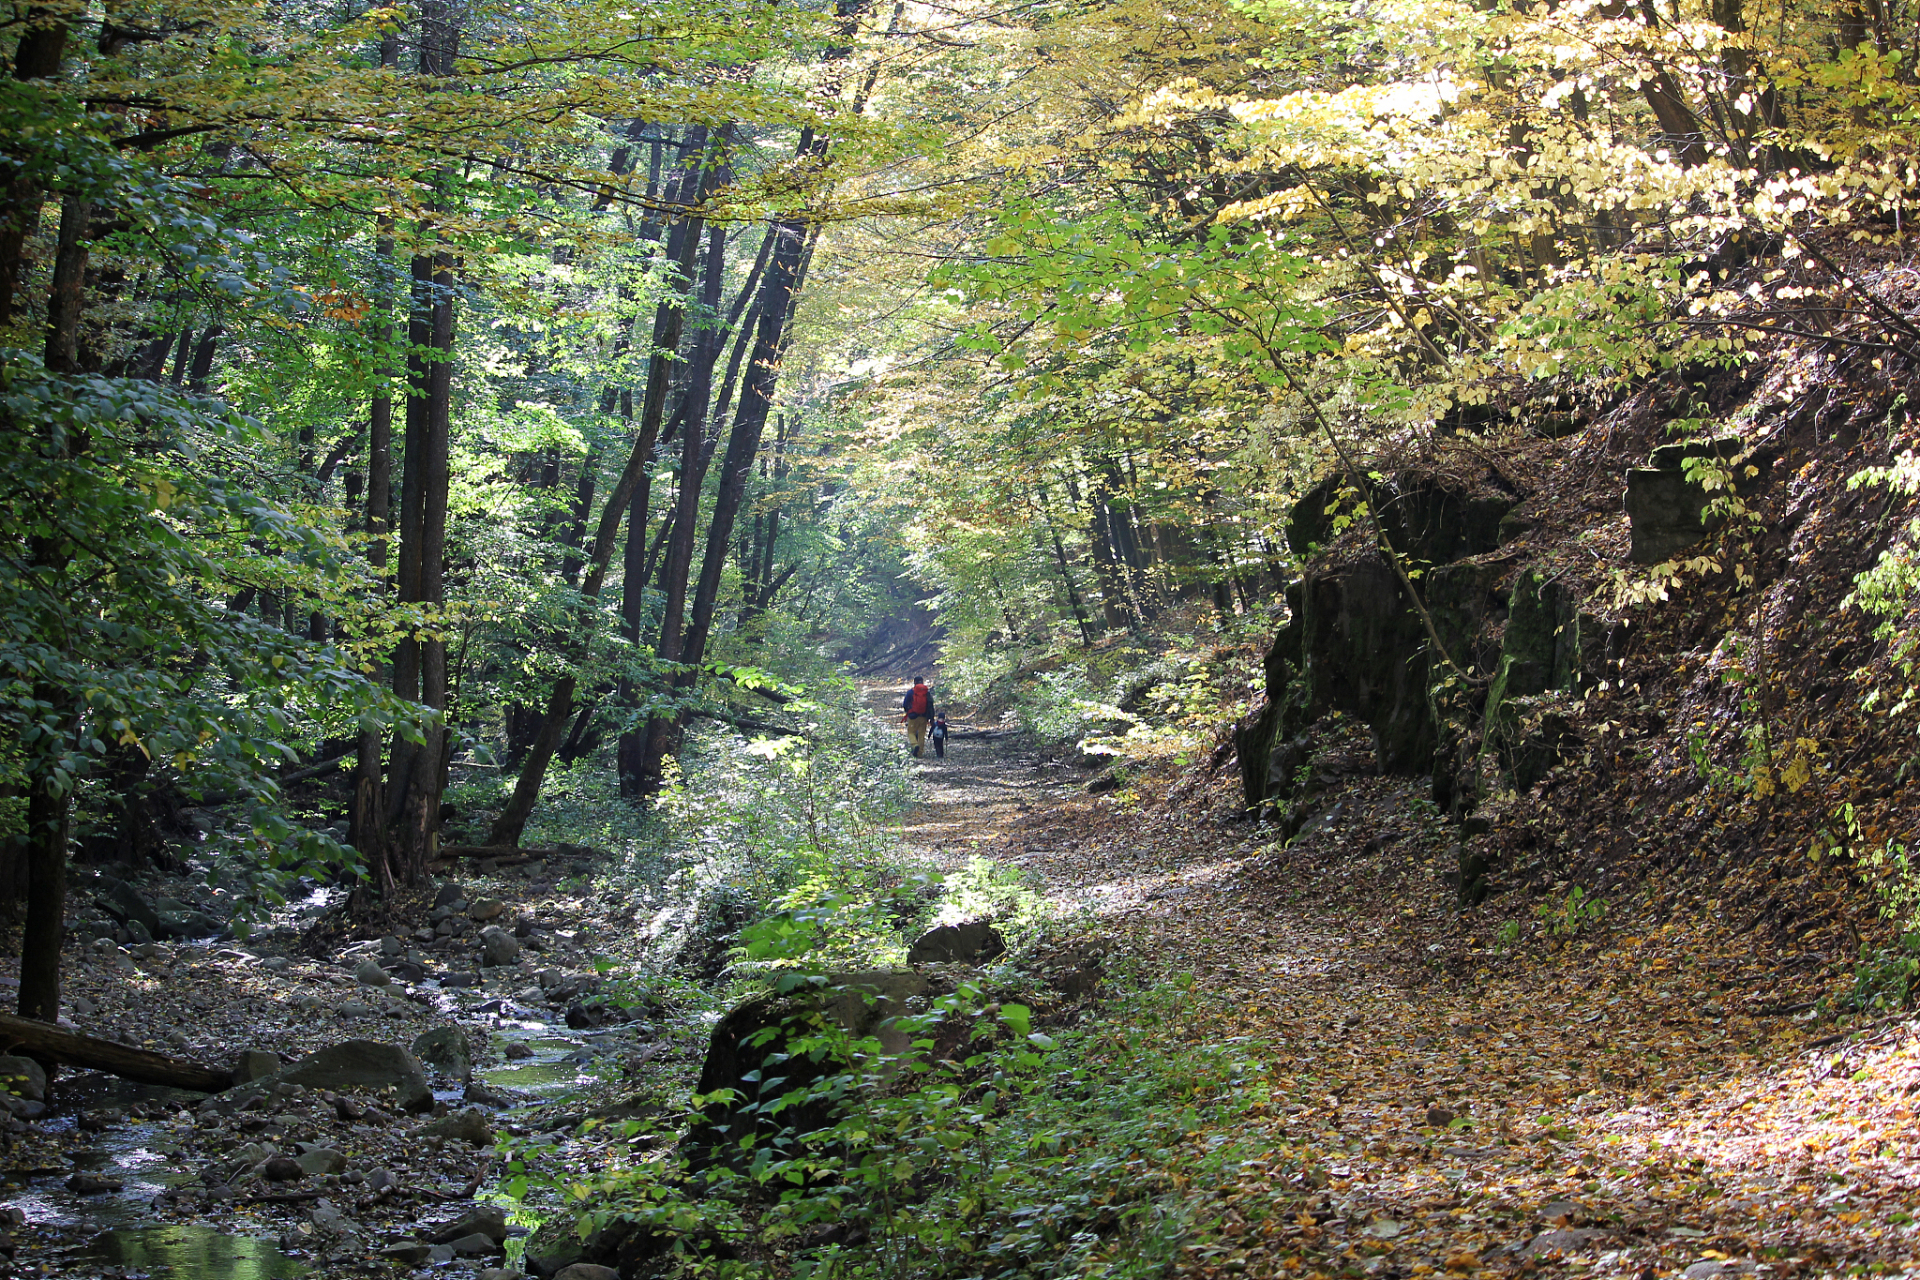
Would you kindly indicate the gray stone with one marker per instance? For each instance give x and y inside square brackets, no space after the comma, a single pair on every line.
[587,1271]
[1668,512]
[440,1253]
[321,1161]
[501,1273]
[368,973]
[1562,1240]
[23,1077]
[408,1253]
[254,1064]
[90,1184]
[486,1219]
[518,1049]
[968,943]
[448,894]
[355,1009]
[188,924]
[366,1064]
[282,1169]
[478,1093]
[486,909]
[497,946]
[1714,1267]
[461,1126]
[445,1050]
[473,1246]
[391,946]
[553,1247]
[124,903]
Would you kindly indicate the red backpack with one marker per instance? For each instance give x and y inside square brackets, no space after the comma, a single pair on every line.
[919,700]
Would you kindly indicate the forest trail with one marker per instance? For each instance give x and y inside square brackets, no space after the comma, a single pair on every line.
[1410,1100]
[990,778]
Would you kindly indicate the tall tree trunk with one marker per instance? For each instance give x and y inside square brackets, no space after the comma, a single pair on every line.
[37,56]
[407,577]
[417,776]
[49,800]
[367,823]
[1106,566]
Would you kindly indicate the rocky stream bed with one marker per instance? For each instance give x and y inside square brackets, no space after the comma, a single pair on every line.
[375,1082]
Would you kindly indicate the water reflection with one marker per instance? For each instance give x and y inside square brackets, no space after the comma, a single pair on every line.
[191,1253]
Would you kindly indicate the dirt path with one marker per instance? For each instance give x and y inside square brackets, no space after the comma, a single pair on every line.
[1456,1094]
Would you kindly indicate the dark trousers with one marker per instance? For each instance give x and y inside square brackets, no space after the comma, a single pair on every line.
[940,745]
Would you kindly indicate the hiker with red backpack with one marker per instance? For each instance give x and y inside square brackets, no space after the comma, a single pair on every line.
[918,704]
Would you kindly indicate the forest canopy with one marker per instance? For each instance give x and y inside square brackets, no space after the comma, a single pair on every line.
[455,389]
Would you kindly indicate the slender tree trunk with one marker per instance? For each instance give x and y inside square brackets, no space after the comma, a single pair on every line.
[408,584]
[1066,569]
[202,367]
[417,775]
[420,834]
[367,824]
[49,801]
[46,925]
[1106,568]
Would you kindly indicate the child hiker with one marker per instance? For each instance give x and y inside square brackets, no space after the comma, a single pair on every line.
[939,734]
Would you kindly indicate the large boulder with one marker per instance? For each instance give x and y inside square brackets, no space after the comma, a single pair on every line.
[1362,650]
[1668,511]
[861,1004]
[361,1064]
[1433,520]
[469,1126]
[968,943]
[177,925]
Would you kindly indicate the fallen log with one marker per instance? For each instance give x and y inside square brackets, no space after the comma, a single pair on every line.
[754,726]
[56,1044]
[457,851]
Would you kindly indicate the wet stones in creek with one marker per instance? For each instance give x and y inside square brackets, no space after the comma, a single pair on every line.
[461,1126]
[445,1050]
[24,1078]
[498,947]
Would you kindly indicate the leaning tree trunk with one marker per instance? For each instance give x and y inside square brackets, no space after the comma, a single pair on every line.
[693,184]
[743,447]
